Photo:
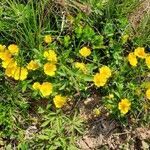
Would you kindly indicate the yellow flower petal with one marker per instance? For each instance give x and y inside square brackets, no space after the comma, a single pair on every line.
[33,65]
[10,71]
[124,106]
[132,59]
[13,49]
[46,89]
[2,47]
[59,101]
[148,94]
[49,69]
[147,60]
[105,71]
[20,73]
[51,56]
[9,63]
[47,39]
[85,51]
[6,55]
[140,52]
[99,80]
[36,86]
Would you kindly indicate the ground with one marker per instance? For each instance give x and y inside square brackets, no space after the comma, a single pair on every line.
[104,133]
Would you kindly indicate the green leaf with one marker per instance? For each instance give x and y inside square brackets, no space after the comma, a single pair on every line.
[40,110]
[25,85]
[43,137]
[87,78]
[66,40]
[78,31]
[44,124]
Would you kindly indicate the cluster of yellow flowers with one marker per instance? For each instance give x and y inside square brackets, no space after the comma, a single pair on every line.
[102,76]
[51,57]
[138,52]
[46,89]
[50,66]
[9,54]
[12,69]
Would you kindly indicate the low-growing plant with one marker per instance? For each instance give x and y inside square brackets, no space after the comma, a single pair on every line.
[50,62]
[57,131]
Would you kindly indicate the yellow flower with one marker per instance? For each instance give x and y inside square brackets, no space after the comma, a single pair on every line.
[99,80]
[124,106]
[33,65]
[148,94]
[10,66]
[13,49]
[46,89]
[85,51]
[50,55]
[10,71]
[36,86]
[2,47]
[96,112]
[132,59]
[59,101]
[20,73]
[6,55]
[49,69]
[147,60]
[9,63]
[48,39]
[140,52]
[81,66]
[105,71]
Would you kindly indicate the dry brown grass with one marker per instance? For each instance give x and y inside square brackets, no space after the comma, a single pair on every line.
[137,16]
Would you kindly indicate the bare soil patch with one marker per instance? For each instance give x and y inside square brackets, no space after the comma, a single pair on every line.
[103,132]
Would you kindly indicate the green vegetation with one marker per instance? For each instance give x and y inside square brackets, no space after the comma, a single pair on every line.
[53,55]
